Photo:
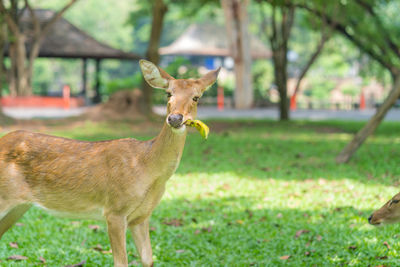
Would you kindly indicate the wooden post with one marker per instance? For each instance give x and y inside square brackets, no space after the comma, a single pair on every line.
[97,96]
[84,77]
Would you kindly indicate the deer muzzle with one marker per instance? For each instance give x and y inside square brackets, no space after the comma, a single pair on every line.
[175,120]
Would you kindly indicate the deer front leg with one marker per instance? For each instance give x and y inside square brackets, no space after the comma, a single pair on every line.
[141,237]
[116,225]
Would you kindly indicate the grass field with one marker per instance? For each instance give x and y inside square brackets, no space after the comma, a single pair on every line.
[257,193]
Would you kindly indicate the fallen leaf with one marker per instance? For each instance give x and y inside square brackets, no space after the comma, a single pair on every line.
[206,229]
[173,222]
[300,232]
[352,247]
[19,224]
[180,251]
[43,260]
[307,253]
[279,215]
[263,218]
[240,221]
[17,258]
[386,244]
[197,232]
[382,257]
[80,264]
[13,244]
[98,247]
[319,238]
[225,187]
[286,257]
[94,227]
[250,213]
[152,229]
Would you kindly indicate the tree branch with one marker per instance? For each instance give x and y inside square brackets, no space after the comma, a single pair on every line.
[56,17]
[10,22]
[379,23]
[342,29]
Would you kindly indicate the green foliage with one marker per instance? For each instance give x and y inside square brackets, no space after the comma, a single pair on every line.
[351,90]
[127,83]
[320,88]
[262,72]
[253,192]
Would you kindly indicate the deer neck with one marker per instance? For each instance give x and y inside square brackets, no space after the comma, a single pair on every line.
[166,151]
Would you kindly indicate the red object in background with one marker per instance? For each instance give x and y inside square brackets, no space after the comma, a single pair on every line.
[41,102]
[293,105]
[362,101]
[220,98]
[67,96]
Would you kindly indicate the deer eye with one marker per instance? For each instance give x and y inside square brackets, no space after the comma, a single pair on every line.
[169,94]
[196,98]
[394,201]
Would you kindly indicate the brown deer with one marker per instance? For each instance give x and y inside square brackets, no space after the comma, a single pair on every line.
[388,213]
[119,181]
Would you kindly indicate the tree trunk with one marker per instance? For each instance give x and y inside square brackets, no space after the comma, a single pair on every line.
[345,155]
[280,65]
[236,21]
[159,10]
[20,74]
[279,38]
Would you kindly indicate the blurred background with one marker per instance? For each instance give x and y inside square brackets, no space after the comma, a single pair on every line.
[303,85]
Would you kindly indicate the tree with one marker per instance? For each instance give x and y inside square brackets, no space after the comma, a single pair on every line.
[159,10]
[277,27]
[281,23]
[236,21]
[22,60]
[368,25]
[179,12]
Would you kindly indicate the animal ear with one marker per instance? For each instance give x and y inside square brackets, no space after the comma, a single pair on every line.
[209,78]
[154,76]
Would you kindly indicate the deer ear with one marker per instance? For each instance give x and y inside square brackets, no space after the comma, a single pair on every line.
[154,76]
[209,79]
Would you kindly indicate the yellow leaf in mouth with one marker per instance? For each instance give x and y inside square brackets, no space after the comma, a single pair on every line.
[200,126]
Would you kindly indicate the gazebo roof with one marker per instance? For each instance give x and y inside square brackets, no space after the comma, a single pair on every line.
[64,40]
[210,40]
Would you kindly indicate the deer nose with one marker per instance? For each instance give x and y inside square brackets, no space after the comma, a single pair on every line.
[369,219]
[175,120]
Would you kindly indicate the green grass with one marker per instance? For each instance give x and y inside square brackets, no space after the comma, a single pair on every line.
[240,198]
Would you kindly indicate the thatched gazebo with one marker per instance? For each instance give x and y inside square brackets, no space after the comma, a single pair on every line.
[210,40]
[64,40]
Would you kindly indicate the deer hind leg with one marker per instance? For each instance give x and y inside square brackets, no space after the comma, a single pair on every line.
[12,216]
[141,236]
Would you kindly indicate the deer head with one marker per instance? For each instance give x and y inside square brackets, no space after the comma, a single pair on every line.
[183,94]
[389,213]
